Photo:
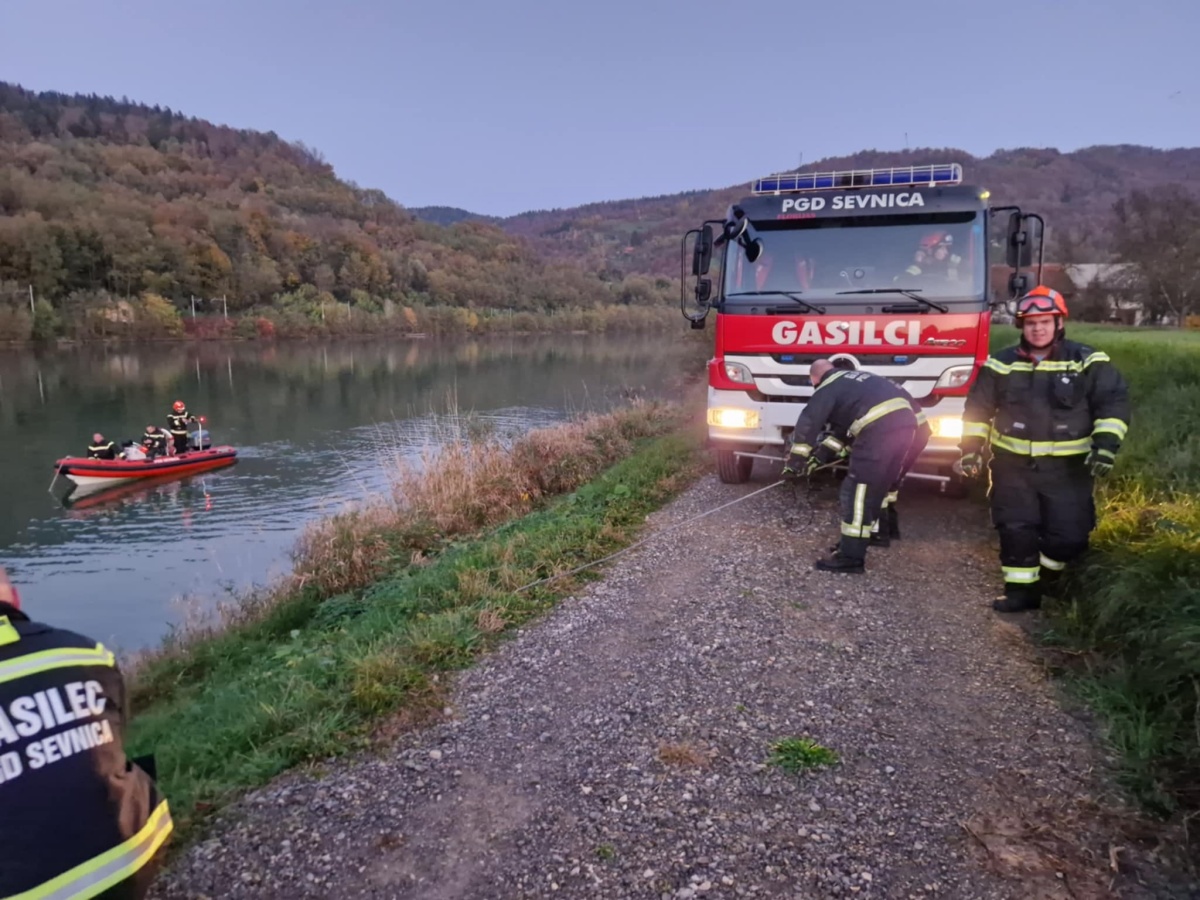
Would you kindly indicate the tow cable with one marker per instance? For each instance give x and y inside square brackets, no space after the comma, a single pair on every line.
[671,528]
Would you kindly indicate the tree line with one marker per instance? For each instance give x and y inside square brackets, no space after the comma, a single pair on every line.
[118,214]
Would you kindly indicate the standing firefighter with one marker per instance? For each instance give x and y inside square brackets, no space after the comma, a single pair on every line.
[178,422]
[79,820]
[1055,413]
[878,417]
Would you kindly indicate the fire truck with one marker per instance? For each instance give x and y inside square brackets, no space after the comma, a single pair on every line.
[885,268]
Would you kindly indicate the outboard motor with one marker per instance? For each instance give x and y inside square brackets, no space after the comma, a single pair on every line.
[204,441]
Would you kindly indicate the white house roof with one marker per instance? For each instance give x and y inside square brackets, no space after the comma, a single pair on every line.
[1084,274]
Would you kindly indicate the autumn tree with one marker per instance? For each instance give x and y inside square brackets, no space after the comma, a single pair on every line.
[1157,233]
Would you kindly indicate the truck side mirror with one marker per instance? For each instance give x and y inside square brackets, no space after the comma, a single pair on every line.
[1019,247]
[702,251]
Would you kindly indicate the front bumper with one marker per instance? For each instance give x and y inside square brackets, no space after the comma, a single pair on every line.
[737,421]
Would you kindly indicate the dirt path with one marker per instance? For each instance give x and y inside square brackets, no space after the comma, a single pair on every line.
[618,748]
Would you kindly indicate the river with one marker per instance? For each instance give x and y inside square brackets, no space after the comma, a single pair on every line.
[316,426]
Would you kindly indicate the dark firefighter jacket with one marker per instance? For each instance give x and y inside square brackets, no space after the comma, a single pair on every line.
[77,818]
[103,450]
[1062,406]
[156,440]
[178,422]
[845,403]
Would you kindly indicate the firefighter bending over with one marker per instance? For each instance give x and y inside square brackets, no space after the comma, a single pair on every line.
[1055,413]
[887,526]
[878,417]
[79,819]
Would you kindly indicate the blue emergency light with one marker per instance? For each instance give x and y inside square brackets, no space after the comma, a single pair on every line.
[901,176]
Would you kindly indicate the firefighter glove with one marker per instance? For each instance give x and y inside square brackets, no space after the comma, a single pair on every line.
[1100,462]
[830,450]
[971,465]
[799,461]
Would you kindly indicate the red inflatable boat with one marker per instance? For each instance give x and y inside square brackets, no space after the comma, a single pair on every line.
[96,472]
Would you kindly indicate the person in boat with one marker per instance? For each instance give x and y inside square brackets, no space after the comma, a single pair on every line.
[102,448]
[178,421]
[155,441]
[81,819]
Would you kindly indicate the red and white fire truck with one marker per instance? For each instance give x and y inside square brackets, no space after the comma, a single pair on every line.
[887,268]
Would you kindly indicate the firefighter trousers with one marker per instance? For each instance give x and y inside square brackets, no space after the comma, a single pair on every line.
[875,465]
[1043,509]
[916,448]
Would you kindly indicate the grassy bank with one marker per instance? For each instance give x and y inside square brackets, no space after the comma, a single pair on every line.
[387,598]
[1131,610]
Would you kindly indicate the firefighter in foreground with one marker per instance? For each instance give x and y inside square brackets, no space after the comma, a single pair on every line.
[79,820]
[878,417]
[1055,413]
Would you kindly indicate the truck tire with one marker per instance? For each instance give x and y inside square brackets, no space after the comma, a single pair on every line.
[733,469]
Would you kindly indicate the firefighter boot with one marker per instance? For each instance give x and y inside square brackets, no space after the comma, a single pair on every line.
[848,559]
[1049,582]
[880,536]
[893,522]
[1019,598]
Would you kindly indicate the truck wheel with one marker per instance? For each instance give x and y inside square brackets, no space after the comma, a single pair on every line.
[733,469]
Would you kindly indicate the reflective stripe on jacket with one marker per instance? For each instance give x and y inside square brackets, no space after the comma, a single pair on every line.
[849,402]
[1065,405]
[77,817]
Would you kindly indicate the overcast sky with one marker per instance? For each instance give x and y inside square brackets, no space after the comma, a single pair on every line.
[501,107]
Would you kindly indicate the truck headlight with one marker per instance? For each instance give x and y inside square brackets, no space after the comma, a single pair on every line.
[947,427]
[735,371]
[955,377]
[733,418]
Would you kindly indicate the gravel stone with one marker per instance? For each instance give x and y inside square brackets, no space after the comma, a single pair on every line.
[618,747]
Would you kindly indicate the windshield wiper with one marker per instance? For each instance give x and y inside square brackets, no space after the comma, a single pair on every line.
[794,296]
[911,293]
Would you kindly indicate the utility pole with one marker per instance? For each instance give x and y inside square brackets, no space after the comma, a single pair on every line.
[31,310]
[193,306]
[225,306]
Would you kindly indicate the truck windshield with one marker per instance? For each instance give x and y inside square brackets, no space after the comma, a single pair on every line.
[827,261]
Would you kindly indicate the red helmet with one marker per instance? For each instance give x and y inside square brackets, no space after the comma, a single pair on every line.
[178,406]
[1042,301]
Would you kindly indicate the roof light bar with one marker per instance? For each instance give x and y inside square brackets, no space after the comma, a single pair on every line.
[912,176]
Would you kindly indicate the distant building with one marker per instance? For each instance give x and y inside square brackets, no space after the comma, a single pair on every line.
[1111,286]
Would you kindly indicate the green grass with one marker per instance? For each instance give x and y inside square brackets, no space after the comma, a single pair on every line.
[315,678]
[1131,608]
[799,754]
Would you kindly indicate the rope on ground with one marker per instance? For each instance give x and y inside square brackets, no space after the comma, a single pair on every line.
[671,528]
[646,540]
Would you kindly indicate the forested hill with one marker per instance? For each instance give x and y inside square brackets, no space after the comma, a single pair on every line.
[1075,192]
[104,202]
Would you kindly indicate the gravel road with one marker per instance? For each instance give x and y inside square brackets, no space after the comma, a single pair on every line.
[618,748]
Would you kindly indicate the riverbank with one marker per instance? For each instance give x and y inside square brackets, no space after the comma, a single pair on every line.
[622,745]
[386,599]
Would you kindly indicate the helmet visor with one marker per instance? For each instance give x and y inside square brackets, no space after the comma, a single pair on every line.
[1038,304]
